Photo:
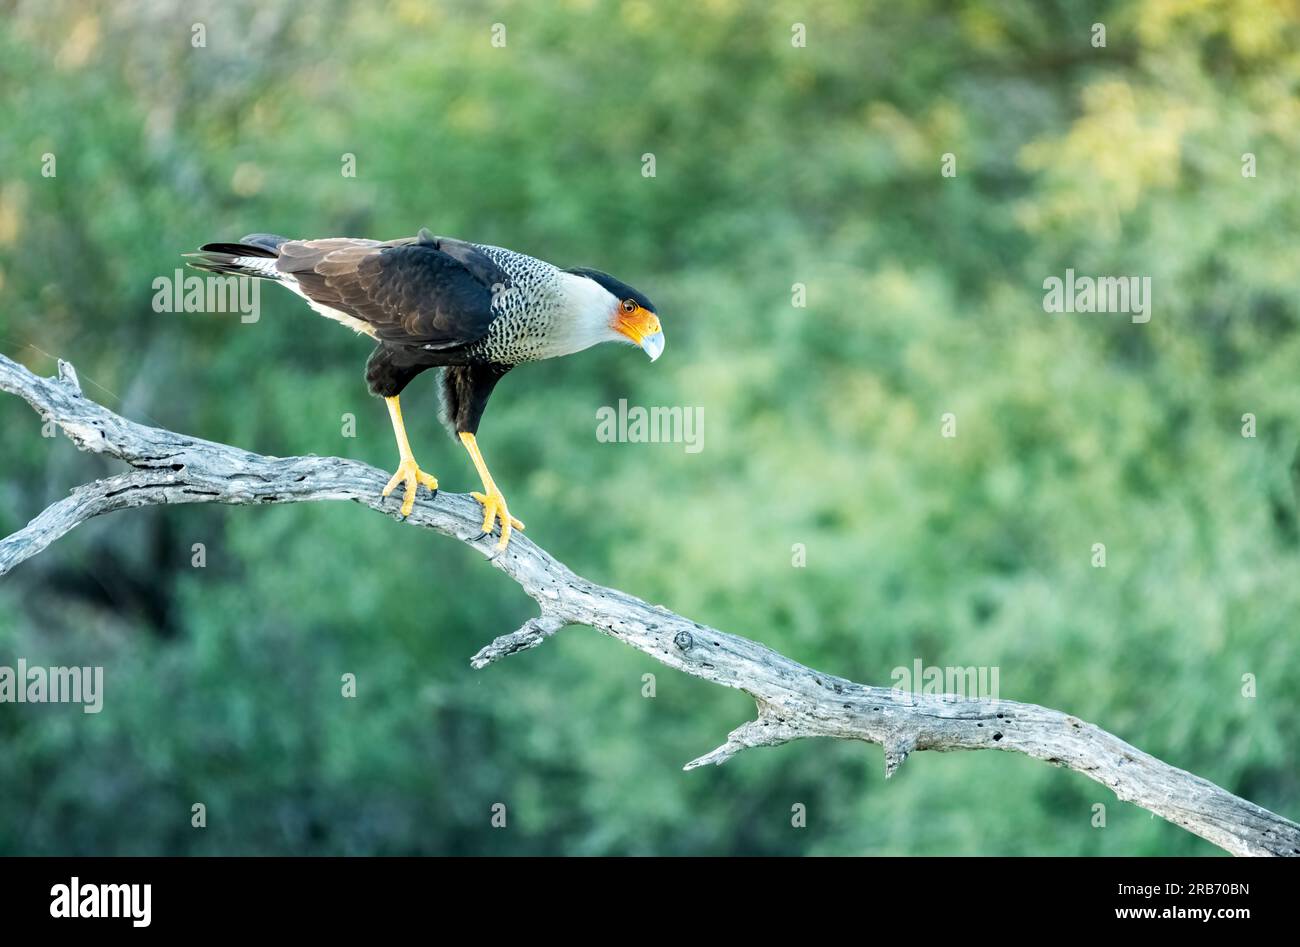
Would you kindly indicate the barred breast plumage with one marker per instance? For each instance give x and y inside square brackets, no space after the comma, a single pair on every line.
[529,312]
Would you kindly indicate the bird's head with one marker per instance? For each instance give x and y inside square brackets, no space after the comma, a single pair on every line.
[624,314]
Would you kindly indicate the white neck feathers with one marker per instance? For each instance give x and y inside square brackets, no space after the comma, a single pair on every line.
[588,309]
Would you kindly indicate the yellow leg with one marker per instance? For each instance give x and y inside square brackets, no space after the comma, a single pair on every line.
[494,504]
[408,471]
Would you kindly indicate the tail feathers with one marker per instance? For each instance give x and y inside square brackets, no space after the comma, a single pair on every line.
[268,242]
[255,256]
[255,244]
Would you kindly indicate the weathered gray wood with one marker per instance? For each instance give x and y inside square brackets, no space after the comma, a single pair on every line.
[793,701]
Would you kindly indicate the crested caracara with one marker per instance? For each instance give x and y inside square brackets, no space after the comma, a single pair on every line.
[469,310]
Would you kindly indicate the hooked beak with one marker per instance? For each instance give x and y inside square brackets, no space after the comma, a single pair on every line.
[653,345]
[643,328]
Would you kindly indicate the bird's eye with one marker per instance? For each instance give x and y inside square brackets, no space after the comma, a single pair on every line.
[629,305]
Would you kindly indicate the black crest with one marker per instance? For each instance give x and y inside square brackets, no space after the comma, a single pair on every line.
[615,286]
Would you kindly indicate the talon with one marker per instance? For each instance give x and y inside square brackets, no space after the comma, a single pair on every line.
[494,504]
[410,474]
[494,508]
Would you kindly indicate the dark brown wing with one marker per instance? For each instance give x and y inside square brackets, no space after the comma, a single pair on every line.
[426,290]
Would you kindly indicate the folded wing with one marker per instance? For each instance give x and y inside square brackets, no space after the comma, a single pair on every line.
[426,291]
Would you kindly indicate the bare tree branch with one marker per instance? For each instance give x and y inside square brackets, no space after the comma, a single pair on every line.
[793,701]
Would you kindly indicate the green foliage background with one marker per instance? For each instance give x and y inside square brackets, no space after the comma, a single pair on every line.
[775,165]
